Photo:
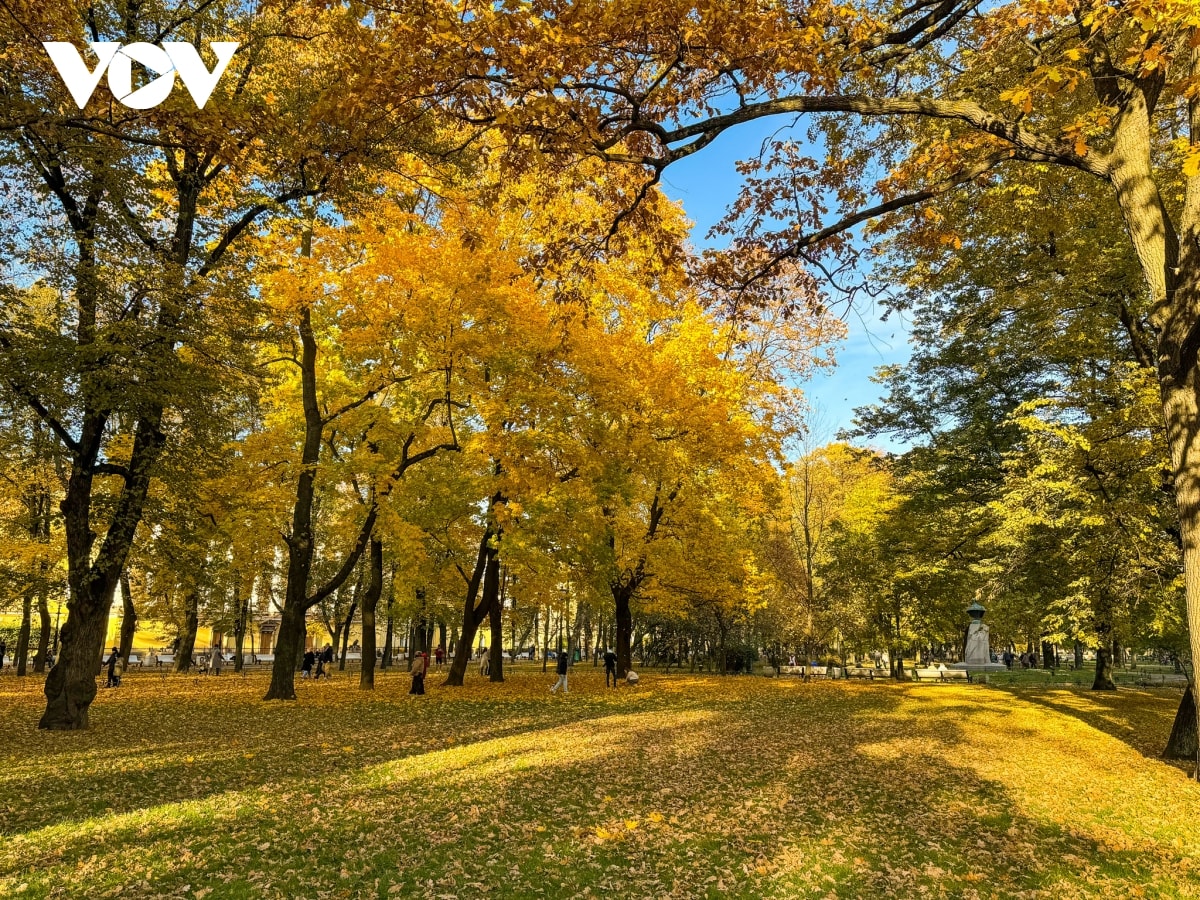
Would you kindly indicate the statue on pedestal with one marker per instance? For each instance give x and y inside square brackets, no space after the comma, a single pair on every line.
[977,650]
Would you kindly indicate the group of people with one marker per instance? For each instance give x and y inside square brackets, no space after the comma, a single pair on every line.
[4,653]
[321,660]
[1027,660]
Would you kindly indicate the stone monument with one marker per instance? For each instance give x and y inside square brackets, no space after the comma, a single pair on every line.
[977,652]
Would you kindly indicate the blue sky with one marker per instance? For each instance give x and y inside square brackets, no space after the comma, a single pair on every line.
[706,183]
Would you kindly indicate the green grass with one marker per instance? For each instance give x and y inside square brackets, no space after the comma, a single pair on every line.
[682,787]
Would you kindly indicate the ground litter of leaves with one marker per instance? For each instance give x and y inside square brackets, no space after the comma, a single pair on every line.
[679,787]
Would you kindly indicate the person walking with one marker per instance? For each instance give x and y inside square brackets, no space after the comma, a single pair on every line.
[420,662]
[215,659]
[439,656]
[610,667]
[3,650]
[306,666]
[112,669]
[560,666]
[323,660]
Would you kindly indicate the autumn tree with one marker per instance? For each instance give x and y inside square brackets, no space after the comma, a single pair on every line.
[937,96]
[142,214]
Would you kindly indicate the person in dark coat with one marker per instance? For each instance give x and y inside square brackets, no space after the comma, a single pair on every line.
[420,663]
[323,660]
[306,666]
[560,667]
[610,667]
[112,669]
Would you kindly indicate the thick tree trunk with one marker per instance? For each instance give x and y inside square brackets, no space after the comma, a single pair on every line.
[1103,680]
[289,648]
[71,684]
[370,601]
[1170,262]
[1182,742]
[21,654]
[1078,655]
[43,647]
[187,638]
[622,597]
[129,620]
[1048,656]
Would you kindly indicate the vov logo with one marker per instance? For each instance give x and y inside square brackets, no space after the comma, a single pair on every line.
[170,58]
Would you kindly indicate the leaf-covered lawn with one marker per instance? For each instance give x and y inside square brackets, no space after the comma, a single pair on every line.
[680,787]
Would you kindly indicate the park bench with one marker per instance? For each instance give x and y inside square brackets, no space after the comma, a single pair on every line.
[865,672]
[166,659]
[811,671]
[934,674]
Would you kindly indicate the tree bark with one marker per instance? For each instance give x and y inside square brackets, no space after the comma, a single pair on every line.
[21,654]
[1103,680]
[187,638]
[1182,742]
[623,618]
[346,631]
[289,647]
[242,605]
[43,647]
[129,619]
[473,613]
[491,597]
[370,601]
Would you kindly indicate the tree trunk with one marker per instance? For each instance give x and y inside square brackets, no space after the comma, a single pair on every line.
[289,648]
[242,605]
[1182,742]
[1049,660]
[21,654]
[129,620]
[43,647]
[346,631]
[1078,655]
[473,614]
[1103,680]
[370,601]
[1170,262]
[622,597]
[495,607]
[187,639]
[300,540]
[386,662]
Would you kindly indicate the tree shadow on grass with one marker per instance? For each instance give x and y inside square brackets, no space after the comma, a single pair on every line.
[1144,725]
[737,789]
[149,758]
